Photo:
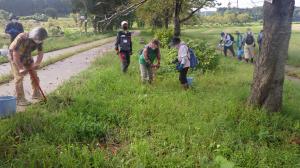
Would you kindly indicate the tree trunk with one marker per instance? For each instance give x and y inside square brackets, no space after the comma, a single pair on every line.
[269,70]
[177,9]
[167,18]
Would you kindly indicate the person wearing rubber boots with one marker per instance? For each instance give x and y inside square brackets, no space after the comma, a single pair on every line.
[22,62]
[123,46]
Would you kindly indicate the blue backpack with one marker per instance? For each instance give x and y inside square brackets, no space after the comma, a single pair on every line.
[193,59]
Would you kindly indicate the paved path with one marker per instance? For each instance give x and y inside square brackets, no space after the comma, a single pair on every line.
[5,68]
[54,75]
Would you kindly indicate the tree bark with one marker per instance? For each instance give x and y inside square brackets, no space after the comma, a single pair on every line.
[177,27]
[167,18]
[268,80]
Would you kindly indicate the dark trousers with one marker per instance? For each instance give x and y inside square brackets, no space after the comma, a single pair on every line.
[125,60]
[182,75]
[229,48]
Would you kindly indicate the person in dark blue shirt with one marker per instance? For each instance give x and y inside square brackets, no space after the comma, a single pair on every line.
[14,28]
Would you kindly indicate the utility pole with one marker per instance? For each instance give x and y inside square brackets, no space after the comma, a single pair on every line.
[237,2]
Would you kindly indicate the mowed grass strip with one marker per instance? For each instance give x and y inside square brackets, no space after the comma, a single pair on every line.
[69,40]
[103,118]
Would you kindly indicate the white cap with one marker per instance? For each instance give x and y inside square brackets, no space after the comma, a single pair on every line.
[124,22]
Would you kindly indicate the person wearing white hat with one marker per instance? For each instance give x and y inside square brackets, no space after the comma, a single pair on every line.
[123,46]
[22,61]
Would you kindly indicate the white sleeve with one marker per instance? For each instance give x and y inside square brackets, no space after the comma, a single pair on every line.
[183,54]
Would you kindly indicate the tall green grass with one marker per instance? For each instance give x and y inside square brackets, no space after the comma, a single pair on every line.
[104,118]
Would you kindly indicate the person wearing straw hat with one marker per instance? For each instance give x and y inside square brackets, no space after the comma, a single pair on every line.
[22,62]
[123,46]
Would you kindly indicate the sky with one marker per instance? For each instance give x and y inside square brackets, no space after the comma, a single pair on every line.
[245,3]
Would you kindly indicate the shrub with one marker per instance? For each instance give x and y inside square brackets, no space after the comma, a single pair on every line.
[208,57]
[56,31]
[164,36]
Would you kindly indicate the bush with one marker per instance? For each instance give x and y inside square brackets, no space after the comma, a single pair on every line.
[208,57]
[164,36]
[56,31]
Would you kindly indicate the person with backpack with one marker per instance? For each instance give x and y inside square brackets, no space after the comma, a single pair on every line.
[227,39]
[150,53]
[239,45]
[123,46]
[14,28]
[249,46]
[183,60]
[22,62]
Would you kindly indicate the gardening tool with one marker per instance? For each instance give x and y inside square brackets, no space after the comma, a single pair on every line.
[36,82]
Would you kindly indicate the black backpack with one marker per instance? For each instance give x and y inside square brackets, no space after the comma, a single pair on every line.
[249,39]
[231,37]
[125,41]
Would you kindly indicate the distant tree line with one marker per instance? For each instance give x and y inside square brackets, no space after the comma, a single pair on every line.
[240,15]
[30,7]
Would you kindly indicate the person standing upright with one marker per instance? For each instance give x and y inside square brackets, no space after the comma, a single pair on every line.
[239,44]
[183,61]
[228,41]
[260,39]
[123,46]
[14,28]
[249,47]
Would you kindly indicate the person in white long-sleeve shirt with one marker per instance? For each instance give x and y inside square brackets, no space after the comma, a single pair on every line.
[228,43]
[183,61]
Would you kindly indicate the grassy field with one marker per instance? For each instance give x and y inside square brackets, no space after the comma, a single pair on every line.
[103,118]
[212,34]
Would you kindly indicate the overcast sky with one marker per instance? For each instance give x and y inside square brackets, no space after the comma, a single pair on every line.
[246,3]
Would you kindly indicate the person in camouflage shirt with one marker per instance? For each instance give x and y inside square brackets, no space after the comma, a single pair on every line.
[22,61]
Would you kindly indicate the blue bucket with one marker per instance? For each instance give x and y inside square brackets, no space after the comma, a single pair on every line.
[8,106]
[190,80]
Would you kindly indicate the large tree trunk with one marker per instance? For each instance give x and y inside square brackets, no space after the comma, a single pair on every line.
[177,28]
[167,18]
[269,71]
